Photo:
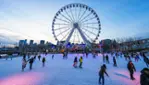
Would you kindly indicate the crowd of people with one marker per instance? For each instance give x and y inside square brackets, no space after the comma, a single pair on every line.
[144,77]
[31,60]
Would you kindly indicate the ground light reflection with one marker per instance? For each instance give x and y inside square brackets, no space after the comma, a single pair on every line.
[29,78]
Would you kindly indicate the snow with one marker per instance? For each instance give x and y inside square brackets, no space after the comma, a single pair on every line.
[61,72]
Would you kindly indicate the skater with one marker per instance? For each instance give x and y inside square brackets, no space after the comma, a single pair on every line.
[39,57]
[81,61]
[128,56]
[104,57]
[31,63]
[131,69]
[34,57]
[144,77]
[116,54]
[52,56]
[28,56]
[114,61]
[146,60]
[94,55]
[125,55]
[24,62]
[66,54]
[43,61]
[75,62]
[137,58]
[63,55]
[6,57]
[101,74]
[11,57]
[86,54]
[107,59]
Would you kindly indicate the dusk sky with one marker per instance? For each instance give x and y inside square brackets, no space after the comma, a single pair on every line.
[32,19]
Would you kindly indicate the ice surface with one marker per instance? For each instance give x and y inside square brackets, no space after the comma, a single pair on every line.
[61,72]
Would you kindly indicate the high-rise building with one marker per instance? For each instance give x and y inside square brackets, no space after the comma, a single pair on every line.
[31,42]
[21,42]
[42,42]
[25,41]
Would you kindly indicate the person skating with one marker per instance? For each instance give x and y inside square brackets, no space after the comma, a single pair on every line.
[11,57]
[104,57]
[63,55]
[31,63]
[144,77]
[137,58]
[81,61]
[94,55]
[116,54]
[101,74]
[114,62]
[146,60]
[28,56]
[39,57]
[24,62]
[125,55]
[107,59]
[75,62]
[52,56]
[43,61]
[86,54]
[131,69]
[34,57]
[129,57]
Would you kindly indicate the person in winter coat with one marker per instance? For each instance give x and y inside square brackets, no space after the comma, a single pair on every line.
[24,62]
[144,77]
[43,61]
[52,56]
[75,62]
[137,58]
[86,54]
[104,58]
[63,55]
[31,62]
[34,57]
[94,55]
[107,59]
[125,55]
[114,62]
[101,74]
[131,69]
[146,60]
[81,61]
[39,57]
[24,56]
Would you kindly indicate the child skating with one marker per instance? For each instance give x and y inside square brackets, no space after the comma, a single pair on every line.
[81,61]
[75,62]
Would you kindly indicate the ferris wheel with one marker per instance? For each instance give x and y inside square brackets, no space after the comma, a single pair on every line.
[76,23]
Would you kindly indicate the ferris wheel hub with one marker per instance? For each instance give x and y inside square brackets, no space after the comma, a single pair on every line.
[76,25]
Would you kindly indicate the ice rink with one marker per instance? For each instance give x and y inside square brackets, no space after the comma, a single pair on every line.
[59,71]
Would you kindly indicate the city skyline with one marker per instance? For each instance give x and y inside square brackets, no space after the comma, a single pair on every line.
[32,19]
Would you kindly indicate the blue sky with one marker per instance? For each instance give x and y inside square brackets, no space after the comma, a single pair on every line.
[32,19]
